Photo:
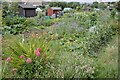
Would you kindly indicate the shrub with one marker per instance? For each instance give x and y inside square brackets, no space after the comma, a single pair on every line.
[48,22]
[16,25]
[29,58]
[93,18]
[113,13]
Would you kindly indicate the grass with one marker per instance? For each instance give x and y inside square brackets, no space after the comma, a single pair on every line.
[108,57]
[0,17]
[0,56]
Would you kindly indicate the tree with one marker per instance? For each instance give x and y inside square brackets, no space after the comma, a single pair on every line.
[5,9]
[53,4]
[62,4]
[102,5]
[9,9]
[118,6]
[95,5]
[70,4]
[14,8]
[73,4]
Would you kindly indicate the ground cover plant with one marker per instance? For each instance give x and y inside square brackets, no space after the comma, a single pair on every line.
[83,45]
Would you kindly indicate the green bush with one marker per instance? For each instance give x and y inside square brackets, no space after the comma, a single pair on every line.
[10,20]
[16,25]
[113,13]
[47,22]
[93,19]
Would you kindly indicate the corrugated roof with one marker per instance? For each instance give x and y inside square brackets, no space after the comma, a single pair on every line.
[56,8]
[26,6]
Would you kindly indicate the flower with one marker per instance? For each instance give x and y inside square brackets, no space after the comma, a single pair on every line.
[22,56]
[37,53]
[8,59]
[28,60]
[39,49]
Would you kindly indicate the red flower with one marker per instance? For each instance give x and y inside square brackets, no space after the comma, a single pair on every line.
[37,53]
[39,49]
[22,56]
[8,59]
[28,60]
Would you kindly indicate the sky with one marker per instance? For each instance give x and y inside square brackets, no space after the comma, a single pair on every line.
[81,1]
[85,0]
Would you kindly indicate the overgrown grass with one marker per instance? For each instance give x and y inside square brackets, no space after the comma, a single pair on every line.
[0,18]
[0,56]
[108,60]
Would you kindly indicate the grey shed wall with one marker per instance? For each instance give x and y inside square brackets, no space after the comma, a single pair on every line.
[27,12]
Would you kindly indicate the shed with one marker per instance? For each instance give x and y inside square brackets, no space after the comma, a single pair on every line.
[53,10]
[27,10]
[67,9]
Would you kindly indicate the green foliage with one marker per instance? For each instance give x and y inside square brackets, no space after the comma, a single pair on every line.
[64,4]
[102,5]
[15,25]
[13,20]
[72,65]
[53,4]
[93,19]
[17,47]
[47,22]
[9,9]
[78,8]
[113,13]
[118,6]
[94,5]
[76,40]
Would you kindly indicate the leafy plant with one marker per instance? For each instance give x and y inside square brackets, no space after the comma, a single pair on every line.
[29,59]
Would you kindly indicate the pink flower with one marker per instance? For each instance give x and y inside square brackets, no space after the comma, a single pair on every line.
[22,56]
[39,49]
[28,60]
[37,53]
[8,59]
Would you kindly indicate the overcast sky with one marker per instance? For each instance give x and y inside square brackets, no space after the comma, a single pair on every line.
[82,1]
[85,0]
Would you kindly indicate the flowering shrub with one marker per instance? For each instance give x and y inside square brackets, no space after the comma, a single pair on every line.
[30,58]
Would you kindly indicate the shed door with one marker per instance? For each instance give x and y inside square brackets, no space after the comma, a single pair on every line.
[30,13]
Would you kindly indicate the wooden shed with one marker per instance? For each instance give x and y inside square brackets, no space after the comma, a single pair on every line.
[27,10]
[53,10]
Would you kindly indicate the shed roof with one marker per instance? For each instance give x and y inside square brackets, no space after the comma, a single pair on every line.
[27,6]
[67,9]
[56,8]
